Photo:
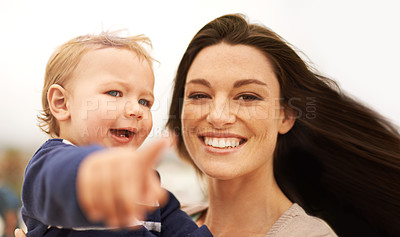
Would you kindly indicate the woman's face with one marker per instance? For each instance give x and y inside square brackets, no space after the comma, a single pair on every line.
[231,113]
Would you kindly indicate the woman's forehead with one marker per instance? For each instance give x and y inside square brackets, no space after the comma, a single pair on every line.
[231,65]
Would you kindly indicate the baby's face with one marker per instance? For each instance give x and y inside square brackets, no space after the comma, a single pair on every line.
[109,97]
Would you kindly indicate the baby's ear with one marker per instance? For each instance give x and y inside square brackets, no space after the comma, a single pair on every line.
[56,96]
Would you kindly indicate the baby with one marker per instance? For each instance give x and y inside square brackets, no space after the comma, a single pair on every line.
[89,179]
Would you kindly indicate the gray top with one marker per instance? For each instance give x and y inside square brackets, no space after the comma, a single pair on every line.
[295,222]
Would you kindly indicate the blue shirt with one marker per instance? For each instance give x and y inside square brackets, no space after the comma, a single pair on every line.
[50,205]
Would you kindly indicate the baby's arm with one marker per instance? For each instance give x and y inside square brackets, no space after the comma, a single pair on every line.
[49,193]
[175,222]
[61,183]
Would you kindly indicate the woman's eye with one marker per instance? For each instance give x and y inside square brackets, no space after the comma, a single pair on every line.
[114,93]
[248,97]
[144,102]
[198,96]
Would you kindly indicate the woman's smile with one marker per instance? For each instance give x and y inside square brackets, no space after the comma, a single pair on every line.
[221,142]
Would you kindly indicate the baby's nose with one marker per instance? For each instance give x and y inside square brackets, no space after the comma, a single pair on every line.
[133,110]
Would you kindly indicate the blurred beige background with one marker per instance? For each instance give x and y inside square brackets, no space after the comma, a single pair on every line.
[354,42]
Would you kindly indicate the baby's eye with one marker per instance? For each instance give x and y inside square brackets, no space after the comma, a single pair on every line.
[114,93]
[144,102]
[198,96]
[247,97]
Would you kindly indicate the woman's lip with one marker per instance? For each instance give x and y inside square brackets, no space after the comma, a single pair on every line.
[221,135]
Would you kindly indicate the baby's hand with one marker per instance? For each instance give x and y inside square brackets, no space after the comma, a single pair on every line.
[111,184]
[19,233]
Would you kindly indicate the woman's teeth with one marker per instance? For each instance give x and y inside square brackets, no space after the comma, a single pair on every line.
[222,142]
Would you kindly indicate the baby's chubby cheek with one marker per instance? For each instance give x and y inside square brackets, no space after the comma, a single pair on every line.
[145,127]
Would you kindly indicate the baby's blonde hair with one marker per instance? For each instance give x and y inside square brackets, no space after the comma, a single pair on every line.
[66,58]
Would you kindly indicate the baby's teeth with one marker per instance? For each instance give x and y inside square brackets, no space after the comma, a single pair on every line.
[228,143]
[221,143]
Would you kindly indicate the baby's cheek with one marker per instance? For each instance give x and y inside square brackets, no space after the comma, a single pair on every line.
[98,129]
[110,113]
[146,126]
[148,120]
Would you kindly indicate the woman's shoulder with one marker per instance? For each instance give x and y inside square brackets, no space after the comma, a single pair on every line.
[195,211]
[295,222]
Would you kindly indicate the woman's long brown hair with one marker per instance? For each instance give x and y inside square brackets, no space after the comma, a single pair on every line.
[340,161]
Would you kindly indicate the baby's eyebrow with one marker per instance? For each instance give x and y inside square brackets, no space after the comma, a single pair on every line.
[150,93]
[108,84]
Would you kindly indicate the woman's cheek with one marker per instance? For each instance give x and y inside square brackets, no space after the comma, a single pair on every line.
[195,110]
[189,112]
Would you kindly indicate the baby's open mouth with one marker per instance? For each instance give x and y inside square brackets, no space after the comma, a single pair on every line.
[121,133]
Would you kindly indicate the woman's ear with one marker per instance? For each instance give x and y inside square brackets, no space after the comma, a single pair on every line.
[56,96]
[287,121]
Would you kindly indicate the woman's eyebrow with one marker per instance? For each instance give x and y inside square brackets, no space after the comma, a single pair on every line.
[243,82]
[237,84]
[200,81]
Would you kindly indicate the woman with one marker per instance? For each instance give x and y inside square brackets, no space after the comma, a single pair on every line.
[271,135]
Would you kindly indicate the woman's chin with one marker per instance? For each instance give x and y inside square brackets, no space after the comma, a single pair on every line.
[220,173]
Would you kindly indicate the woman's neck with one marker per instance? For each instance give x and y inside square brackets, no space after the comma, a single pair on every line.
[252,203]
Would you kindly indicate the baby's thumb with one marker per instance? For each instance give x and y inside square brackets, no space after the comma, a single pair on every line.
[19,233]
[152,151]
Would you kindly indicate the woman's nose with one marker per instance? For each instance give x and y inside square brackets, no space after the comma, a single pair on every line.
[132,110]
[220,114]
